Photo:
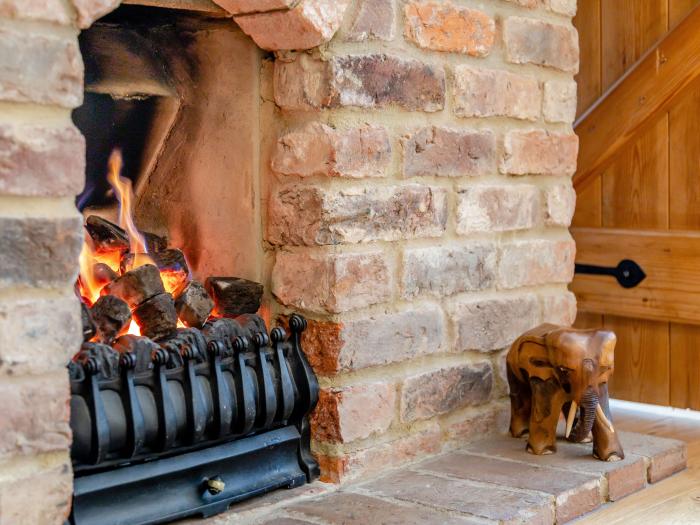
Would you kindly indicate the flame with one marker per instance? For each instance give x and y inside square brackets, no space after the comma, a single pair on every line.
[87,282]
[125,196]
[173,280]
[134,329]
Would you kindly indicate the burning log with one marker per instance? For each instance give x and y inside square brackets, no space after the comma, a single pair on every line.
[136,286]
[103,273]
[234,296]
[157,316]
[172,265]
[194,305]
[111,317]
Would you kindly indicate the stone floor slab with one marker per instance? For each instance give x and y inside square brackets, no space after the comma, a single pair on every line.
[664,456]
[347,508]
[484,501]
[575,493]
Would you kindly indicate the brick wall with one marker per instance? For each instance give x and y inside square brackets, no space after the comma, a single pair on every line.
[418,205]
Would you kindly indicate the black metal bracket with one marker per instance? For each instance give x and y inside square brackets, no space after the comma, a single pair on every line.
[627,273]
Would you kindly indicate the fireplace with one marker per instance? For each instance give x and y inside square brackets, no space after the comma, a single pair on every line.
[404,188]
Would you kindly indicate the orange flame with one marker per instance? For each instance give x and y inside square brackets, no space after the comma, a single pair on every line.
[89,285]
[125,196]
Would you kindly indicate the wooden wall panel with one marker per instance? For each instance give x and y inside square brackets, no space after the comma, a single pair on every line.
[635,186]
[642,360]
[684,139]
[589,206]
[685,366]
[628,29]
[678,10]
[587,22]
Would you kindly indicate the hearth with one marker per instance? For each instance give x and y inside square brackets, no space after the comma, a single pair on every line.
[183,401]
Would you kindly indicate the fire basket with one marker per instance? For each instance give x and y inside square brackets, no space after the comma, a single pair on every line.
[190,424]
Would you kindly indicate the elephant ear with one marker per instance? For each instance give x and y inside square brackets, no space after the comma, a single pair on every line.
[608,340]
[534,358]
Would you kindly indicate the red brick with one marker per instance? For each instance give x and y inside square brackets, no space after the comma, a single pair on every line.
[306,25]
[35,414]
[368,461]
[489,420]
[238,7]
[539,152]
[536,261]
[51,68]
[327,282]
[347,508]
[559,104]
[40,161]
[493,323]
[529,41]
[318,149]
[559,308]
[448,152]
[575,493]
[354,412]
[36,491]
[90,10]
[495,93]
[322,343]
[374,20]
[486,502]
[443,26]
[560,202]
[42,10]
[487,208]
[310,215]
[433,270]
[441,391]
[38,335]
[38,251]
[366,81]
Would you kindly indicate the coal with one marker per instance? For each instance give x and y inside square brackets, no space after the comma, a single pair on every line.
[157,316]
[108,237]
[173,267]
[88,324]
[111,317]
[193,305]
[234,296]
[103,273]
[136,286]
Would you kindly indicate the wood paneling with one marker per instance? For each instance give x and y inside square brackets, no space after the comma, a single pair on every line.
[587,22]
[589,206]
[641,360]
[635,186]
[588,320]
[684,139]
[671,260]
[678,10]
[629,29]
[685,366]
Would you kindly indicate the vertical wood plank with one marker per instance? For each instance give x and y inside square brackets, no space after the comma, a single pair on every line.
[629,28]
[589,206]
[588,320]
[684,151]
[635,186]
[679,9]
[642,360]
[685,366]
[587,22]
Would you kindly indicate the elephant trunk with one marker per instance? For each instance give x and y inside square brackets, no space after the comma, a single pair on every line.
[589,404]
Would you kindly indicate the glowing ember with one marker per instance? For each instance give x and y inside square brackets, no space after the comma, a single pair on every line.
[89,286]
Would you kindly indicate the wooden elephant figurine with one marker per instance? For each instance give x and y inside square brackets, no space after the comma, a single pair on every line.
[552,368]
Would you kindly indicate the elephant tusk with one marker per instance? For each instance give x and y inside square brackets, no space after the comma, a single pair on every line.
[600,414]
[570,418]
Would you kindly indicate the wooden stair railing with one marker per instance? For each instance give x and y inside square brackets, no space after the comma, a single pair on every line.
[643,92]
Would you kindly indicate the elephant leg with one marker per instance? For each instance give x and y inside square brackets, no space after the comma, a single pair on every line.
[547,402]
[606,444]
[520,405]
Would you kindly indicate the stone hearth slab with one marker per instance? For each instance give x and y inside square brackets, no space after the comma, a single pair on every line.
[489,482]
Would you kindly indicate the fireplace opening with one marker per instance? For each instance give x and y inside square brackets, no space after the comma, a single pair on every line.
[183,399]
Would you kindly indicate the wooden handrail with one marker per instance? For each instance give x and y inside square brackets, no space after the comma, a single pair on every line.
[642,93]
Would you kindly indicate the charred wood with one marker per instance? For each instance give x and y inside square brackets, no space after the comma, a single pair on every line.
[108,237]
[234,296]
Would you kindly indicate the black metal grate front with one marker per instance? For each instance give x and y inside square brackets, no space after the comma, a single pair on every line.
[189,425]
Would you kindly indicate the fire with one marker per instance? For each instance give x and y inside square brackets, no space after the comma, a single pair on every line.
[125,196]
[91,280]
